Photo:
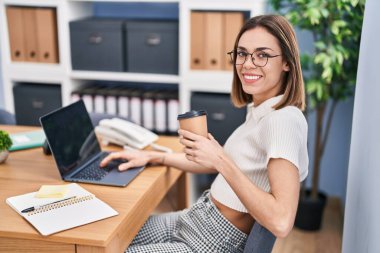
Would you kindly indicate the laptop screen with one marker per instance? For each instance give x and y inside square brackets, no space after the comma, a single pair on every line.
[71,136]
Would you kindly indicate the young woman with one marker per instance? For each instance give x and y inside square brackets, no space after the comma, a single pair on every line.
[260,166]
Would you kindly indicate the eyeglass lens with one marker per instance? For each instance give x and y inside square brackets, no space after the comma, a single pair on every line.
[259,58]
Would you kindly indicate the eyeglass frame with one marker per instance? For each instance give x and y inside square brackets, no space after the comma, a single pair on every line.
[252,58]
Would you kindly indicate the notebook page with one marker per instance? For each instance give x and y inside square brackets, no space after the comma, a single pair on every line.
[70,215]
[83,209]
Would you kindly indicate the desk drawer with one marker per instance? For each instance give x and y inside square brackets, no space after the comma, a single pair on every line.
[23,245]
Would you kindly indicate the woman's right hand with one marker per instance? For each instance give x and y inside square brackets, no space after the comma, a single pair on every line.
[134,158]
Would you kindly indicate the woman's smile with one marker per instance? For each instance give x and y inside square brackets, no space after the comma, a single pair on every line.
[251,78]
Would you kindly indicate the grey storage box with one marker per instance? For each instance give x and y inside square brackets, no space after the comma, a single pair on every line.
[34,100]
[97,44]
[152,46]
[222,117]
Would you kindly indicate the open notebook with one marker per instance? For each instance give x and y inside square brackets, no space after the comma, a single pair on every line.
[81,207]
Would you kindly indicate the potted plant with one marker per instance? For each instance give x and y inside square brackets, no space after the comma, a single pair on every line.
[329,74]
[5,144]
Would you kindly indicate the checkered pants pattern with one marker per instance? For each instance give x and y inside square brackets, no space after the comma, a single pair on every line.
[202,228]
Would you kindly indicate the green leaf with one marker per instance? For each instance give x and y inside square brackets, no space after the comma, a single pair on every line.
[294,17]
[340,57]
[320,45]
[276,4]
[319,92]
[327,60]
[325,13]
[5,141]
[327,74]
[337,25]
[340,23]
[319,58]
[313,15]
[334,29]
[354,2]
[311,86]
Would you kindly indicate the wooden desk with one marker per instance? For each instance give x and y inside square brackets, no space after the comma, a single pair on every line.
[25,171]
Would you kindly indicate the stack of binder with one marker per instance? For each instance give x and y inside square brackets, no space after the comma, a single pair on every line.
[212,36]
[33,34]
[154,109]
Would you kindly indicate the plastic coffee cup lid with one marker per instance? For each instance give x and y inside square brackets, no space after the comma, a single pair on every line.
[191,114]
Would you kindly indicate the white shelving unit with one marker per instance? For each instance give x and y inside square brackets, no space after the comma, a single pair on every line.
[203,80]
[67,10]
[61,73]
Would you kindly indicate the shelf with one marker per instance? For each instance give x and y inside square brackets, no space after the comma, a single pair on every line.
[225,5]
[211,81]
[187,80]
[129,1]
[126,77]
[35,72]
[36,3]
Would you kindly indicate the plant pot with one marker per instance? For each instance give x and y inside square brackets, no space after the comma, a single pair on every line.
[3,155]
[310,212]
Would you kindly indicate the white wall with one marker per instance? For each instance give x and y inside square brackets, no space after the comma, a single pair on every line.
[1,89]
[362,219]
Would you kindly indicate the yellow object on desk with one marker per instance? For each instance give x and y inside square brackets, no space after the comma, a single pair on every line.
[52,191]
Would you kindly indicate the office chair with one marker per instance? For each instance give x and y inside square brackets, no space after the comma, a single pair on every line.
[7,118]
[260,240]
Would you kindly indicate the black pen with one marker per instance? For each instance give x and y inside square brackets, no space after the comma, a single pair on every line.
[30,209]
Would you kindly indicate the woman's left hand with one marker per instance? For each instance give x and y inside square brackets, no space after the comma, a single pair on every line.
[207,152]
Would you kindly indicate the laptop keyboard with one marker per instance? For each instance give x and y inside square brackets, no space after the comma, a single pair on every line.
[93,171]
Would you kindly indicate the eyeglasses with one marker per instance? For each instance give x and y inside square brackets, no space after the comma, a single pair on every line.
[259,58]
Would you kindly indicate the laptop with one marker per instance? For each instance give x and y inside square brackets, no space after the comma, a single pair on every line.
[76,150]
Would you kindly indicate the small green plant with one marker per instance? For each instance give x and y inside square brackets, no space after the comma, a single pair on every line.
[5,141]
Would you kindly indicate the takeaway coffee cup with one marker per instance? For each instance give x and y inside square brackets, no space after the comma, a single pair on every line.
[194,121]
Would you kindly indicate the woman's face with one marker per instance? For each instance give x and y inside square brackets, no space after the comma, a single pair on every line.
[261,82]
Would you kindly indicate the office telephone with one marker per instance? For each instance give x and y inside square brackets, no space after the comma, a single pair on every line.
[124,133]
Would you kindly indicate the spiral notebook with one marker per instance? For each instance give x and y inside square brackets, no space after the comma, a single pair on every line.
[78,207]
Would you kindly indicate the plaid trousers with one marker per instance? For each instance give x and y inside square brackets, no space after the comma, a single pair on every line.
[202,228]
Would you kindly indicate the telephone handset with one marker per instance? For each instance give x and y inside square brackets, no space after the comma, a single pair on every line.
[122,132]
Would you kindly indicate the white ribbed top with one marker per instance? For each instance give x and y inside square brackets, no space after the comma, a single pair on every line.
[266,133]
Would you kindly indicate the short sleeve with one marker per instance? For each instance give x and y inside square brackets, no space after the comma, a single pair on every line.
[285,136]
